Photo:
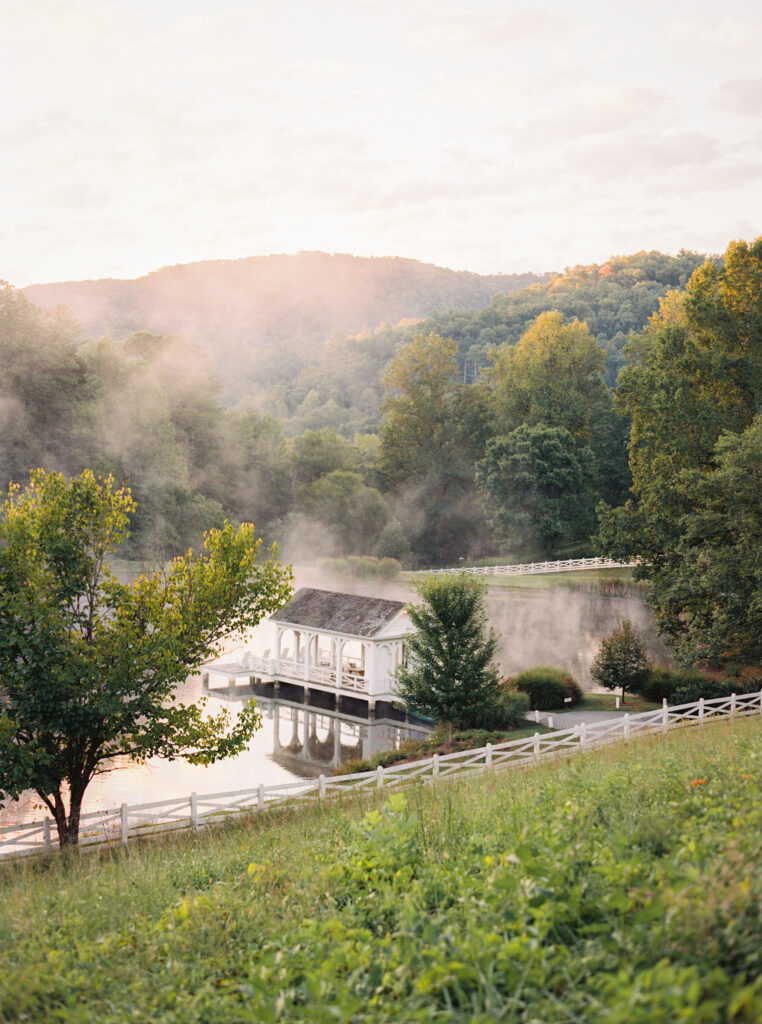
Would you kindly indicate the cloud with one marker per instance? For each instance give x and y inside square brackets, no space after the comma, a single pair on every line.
[741,96]
[465,28]
[593,110]
[729,35]
[638,155]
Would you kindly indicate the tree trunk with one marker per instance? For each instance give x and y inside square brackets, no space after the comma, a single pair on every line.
[68,824]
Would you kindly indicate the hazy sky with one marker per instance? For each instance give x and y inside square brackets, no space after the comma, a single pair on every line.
[492,135]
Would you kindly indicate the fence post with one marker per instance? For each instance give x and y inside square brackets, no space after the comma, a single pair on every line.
[701,710]
[435,765]
[125,825]
[321,781]
[488,755]
[732,703]
[46,833]
[583,734]
[760,702]
[194,812]
[664,715]
[626,726]
[536,749]
[380,777]
[261,797]
[537,716]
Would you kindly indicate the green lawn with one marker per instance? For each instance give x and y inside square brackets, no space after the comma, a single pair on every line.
[622,886]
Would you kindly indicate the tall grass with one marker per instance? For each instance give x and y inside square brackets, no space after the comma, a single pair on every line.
[622,886]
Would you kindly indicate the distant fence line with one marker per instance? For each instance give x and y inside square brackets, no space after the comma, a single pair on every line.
[121,824]
[535,568]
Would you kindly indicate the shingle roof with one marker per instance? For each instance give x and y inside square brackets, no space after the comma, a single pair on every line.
[338,613]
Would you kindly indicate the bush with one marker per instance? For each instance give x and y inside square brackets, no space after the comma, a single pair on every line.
[685,686]
[663,682]
[621,660]
[508,713]
[547,688]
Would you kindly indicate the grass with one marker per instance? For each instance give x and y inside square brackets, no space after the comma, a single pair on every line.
[574,579]
[633,703]
[622,886]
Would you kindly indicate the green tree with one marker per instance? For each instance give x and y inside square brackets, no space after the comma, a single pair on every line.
[621,659]
[89,665]
[693,391]
[553,375]
[434,429]
[355,514]
[537,488]
[450,673]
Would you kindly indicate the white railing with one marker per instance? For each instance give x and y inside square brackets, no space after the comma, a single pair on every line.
[192,812]
[534,568]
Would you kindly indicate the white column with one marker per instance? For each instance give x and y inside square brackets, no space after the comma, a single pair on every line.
[374,683]
[308,655]
[339,662]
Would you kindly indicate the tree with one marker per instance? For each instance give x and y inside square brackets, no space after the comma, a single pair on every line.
[355,514]
[536,483]
[621,659]
[553,375]
[89,665]
[433,431]
[449,672]
[693,390]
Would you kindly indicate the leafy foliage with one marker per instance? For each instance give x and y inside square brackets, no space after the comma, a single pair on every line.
[449,673]
[577,891]
[694,390]
[89,665]
[548,688]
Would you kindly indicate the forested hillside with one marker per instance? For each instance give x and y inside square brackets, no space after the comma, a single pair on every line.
[261,319]
[464,435]
[341,385]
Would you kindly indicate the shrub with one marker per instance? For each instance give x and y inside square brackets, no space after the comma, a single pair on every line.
[663,682]
[685,686]
[621,660]
[508,713]
[547,687]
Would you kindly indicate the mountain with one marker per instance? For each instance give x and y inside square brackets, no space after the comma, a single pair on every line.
[262,319]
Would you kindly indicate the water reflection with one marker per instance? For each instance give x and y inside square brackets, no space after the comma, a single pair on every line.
[296,741]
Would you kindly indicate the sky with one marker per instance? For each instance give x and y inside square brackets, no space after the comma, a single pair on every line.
[495,136]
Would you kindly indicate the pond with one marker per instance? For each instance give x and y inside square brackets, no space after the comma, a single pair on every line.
[556,626]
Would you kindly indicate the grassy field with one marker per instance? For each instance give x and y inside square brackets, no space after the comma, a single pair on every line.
[622,886]
[575,578]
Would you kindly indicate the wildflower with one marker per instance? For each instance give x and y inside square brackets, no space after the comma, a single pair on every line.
[699,782]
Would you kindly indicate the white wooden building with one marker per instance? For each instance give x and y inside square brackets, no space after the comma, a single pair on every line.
[345,644]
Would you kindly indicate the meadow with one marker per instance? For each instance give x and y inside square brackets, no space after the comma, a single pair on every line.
[624,885]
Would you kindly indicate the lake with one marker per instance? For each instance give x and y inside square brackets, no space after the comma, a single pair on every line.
[559,626]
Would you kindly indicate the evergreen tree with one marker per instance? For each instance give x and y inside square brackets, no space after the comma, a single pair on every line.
[450,673]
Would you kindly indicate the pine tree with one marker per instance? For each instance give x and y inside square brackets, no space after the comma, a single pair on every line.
[450,673]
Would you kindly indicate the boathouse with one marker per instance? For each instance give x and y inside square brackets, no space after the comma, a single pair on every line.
[342,644]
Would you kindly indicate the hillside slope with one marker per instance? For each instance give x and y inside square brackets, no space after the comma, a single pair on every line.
[244,312]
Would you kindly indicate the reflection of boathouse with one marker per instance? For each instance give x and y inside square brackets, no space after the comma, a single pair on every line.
[308,740]
[346,645]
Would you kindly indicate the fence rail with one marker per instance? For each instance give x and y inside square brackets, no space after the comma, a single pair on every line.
[120,824]
[535,568]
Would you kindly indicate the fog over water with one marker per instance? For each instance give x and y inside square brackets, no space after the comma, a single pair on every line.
[560,626]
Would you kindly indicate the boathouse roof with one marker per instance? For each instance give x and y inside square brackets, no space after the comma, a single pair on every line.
[338,613]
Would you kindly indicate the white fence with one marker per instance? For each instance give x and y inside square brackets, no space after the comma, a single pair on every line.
[132,822]
[534,568]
